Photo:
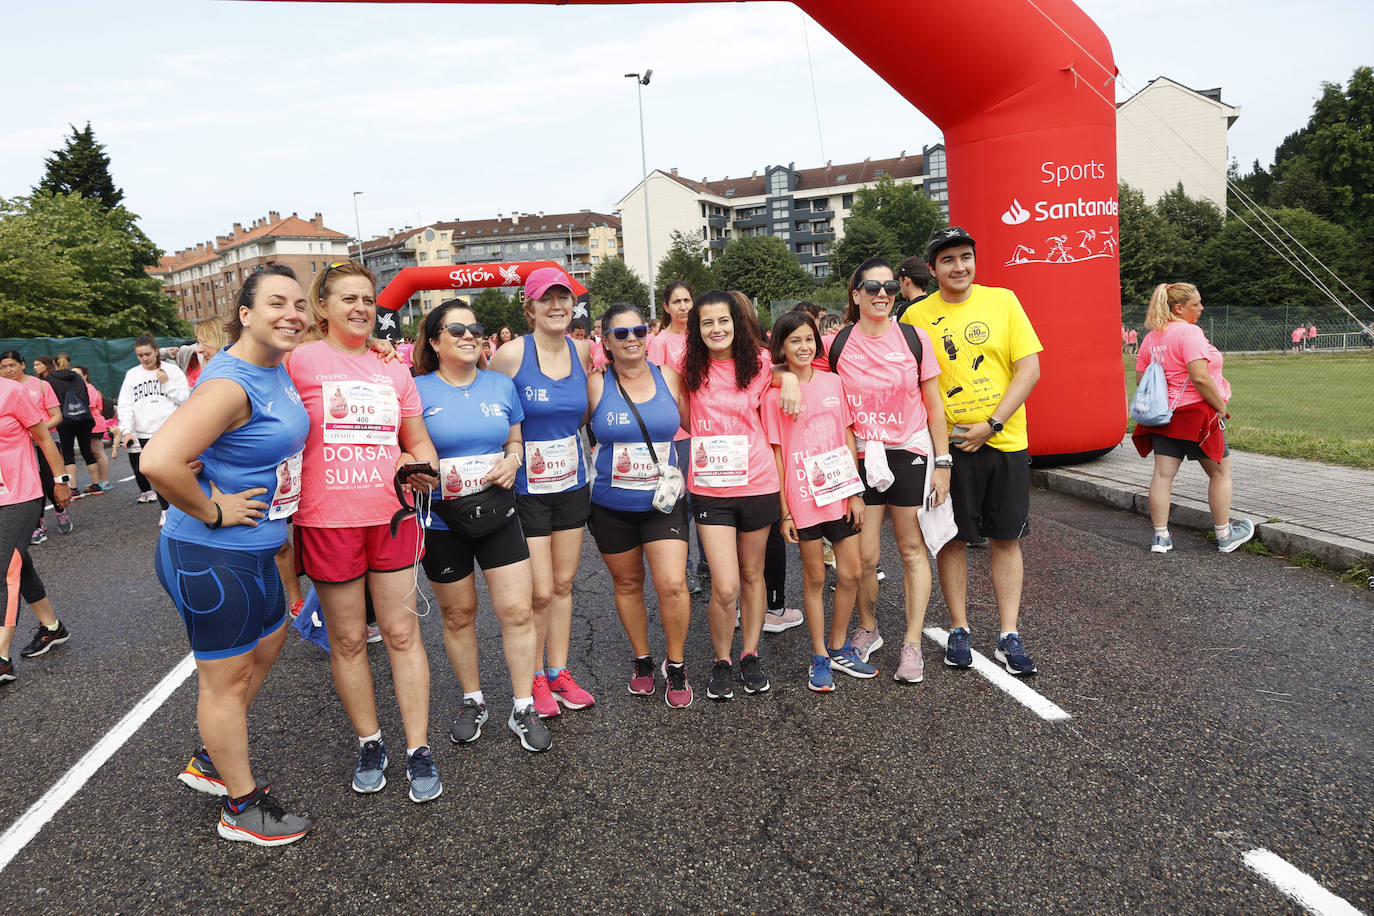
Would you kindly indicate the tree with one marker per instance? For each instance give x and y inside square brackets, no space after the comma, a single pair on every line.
[1239,269]
[1301,187]
[614,281]
[908,214]
[763,268]
[82,168]
[68,267]
[1196,221]
[864,237]
[1152,251]
[492,308]
[685,262]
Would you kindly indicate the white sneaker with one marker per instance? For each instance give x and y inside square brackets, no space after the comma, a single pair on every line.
[162,519]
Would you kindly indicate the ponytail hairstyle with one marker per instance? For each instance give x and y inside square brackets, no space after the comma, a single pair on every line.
[696,359]
[63,361]
[1160,311]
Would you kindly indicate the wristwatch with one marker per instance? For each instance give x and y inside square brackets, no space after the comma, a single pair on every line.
[995,423]
[944,461]
[65,479]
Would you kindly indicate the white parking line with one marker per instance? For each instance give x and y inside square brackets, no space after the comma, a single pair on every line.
[40,812]
[126,479]
[1016,689]
[1298,885]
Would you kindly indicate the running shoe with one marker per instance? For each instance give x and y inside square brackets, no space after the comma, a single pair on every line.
[1241,532]
[106,486]
[866,641]
[544,703]
[752,673]
[423,776]
[721,686]
[566,691]
[263,821]
[40,534]
[44,639]
[374,633]
[820,678]
[6,670]
[1161,543]
[162,519]
[534,735]
[1013,655]
[64,522]
[467,728]
[911,668]
[93,490]
[295,609]
[147,496]
[693,583]
[369,775]
[642,680]
[782,619]
[958,649]
[200,774]
[846,658]
[679,692]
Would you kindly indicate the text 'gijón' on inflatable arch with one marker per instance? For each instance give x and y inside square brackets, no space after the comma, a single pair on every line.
[1023,91]
[411,280]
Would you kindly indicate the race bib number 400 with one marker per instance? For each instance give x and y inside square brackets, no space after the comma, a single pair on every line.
[720,461]
[287,496]
[832,475]
[462,476]
[551,465]
[360,413]
[633,468]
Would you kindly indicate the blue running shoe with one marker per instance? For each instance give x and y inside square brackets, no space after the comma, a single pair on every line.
[820,679]
[1241,532]
[423,776]
[368,775]
[1161,543]
[958,650]
[847,659]
[1013,655]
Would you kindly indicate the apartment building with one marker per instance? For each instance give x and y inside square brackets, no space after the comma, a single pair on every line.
[1167,133]
[804,207]
[206,278]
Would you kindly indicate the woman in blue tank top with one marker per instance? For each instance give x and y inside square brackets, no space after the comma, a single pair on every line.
[626,526]
[215,557]
[550,374]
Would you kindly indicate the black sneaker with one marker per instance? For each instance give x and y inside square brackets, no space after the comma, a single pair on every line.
[468,726]
[721,686]
[264,822]
[534,735]
[6,670]
[44,639]
[751,672]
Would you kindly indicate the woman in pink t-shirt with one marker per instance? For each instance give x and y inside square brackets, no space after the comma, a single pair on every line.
[365,425]
[1198,394]
[732,476]
[45,399]
[102,425]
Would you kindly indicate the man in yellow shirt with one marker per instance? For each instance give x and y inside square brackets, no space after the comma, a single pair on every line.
[989,362]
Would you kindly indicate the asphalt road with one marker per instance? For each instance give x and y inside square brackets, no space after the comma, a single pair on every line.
[1218,704]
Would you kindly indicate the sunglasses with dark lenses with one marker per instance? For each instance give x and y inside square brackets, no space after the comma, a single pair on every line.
[639,330]
[872,286]
[458,329]
[334,266]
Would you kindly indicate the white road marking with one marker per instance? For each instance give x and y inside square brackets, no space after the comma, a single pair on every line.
[126,479]
[1015,688]
[1297,885]
[40,812]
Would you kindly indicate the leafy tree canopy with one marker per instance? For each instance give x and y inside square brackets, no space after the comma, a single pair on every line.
[763,268]
[82,168]
[907,213]
[864,237]
[615,281]
[685,262]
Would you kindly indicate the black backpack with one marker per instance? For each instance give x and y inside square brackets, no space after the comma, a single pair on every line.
[913,340]
[70,389]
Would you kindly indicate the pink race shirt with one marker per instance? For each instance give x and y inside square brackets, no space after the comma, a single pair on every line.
[666,349]
[97,410]
[813,437]
[883,384]
[19,481]
[40,393]
[730,451]
[356,403]
[1177,345]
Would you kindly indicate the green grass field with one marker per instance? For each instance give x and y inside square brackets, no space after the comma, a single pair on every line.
[1301,405]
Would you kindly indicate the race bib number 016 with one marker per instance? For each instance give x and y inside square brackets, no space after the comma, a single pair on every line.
[832,476]
[551,465]
[288,493]
[466,475]
[360,413]
[633,468]
[720,461]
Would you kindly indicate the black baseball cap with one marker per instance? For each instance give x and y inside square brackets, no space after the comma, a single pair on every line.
[947,238]
[914,268]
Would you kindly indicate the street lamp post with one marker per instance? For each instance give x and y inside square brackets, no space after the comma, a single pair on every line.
[640,83]
[358,225]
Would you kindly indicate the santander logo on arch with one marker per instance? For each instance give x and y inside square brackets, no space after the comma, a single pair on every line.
[1016,214]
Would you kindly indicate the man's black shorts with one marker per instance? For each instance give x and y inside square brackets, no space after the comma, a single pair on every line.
[991,493]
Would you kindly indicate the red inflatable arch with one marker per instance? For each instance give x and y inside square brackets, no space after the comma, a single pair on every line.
[410,280]
[1023,92]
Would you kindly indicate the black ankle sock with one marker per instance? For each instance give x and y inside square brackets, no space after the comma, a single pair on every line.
[237,805]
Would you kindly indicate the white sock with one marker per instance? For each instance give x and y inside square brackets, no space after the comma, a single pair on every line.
[376,737]
[412,750]
[1223,531]
[477,696]
[1162,532]
[520,704]
[1006,633]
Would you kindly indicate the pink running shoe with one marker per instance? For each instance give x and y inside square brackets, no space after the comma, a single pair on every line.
[567,693]
[544,704]
[642,681]
[679,693]
[866,641]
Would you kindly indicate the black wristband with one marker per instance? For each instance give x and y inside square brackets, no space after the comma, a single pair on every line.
[219,516]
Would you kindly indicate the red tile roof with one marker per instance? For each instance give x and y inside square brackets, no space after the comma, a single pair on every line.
[811,179]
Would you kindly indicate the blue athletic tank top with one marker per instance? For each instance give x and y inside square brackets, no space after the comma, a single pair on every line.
[264,452]
[625,476]
[553,415]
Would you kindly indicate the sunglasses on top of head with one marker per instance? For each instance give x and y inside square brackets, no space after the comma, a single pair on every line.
[334,266]
[639,330]
[458,329]
[872,286]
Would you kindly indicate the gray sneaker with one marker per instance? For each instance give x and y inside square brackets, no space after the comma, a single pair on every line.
[423,776]
[468,726]
[1241,532]
[368,775]
[64,522]
[264,822]
[866,641]
[911,668]
[534,735]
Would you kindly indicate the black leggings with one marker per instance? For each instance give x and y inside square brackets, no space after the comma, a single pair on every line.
[143,485]
[76,434]
[17,522]
[45,475]
[775,568]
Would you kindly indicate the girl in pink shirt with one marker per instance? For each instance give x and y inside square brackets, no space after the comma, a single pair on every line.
[102,425]
[821,494]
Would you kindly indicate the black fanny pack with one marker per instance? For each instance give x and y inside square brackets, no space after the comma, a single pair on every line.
[475,515]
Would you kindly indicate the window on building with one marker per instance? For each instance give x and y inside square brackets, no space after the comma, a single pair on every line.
[314,267]
[820,269]
[784,234]
[822,248]
[820,225]
[538,246]
[596,259]
[804,248]
[524,246]
[778,181]
[847,201]
[877,173]
[441,255]
[730,193]
[703,209]
[779,208]
[594,243]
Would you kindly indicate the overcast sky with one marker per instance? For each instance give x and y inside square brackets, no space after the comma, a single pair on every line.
[216,111]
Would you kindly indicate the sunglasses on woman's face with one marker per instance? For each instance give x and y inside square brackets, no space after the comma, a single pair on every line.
[639,330]
[872,286]
[458,329]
